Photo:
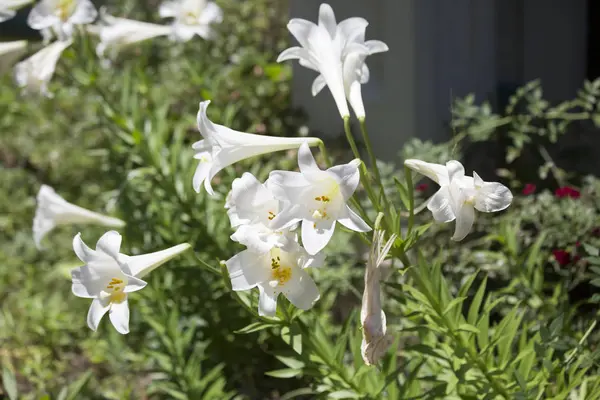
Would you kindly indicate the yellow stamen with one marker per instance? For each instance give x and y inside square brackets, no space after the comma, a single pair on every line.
[282,275]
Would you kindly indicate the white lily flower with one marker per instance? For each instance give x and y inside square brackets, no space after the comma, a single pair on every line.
[34,73]
[118,33]
[375,339]
[10,52]
[337,52]
[192,17]
[52,210]
[58,17]
[459,195]
[251,208]
[8,8]
[222,147]
[277,270]
[109,276]
[317,198]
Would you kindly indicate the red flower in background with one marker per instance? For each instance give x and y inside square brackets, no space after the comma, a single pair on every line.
[563,257]
[567,191]
[421,187]
[529,189]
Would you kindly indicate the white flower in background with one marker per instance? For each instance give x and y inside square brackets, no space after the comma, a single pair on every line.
[118,33]
[8,8]
[58,17]
[337,52]
[52,210]
[109,276]
[10,52]
[192,17]
[277,270]
[222,147]
[375,339]
[317,198]
[251,208]
[34,73]
[459,195]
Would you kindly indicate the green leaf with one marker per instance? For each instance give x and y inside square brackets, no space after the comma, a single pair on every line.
[9,383]
[284,373]
[291,362]
[253,327]
[468,328]
[453,304]
[76,387]
[344,394]
[591,250]
[476,304]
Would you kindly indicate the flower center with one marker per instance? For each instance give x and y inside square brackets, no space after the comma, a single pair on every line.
[280,274]
[64,9]
[114,290]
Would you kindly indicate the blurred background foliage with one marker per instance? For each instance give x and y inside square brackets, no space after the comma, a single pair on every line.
[509,313]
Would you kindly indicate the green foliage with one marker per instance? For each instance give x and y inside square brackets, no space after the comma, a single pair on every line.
[496,316]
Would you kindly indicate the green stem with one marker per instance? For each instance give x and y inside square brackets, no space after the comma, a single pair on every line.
[325,155]
[365,177]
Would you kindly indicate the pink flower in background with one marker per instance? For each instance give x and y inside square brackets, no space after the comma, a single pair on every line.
[529,189]
[567,191]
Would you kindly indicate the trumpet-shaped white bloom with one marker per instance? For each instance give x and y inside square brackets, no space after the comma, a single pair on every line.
[58,17]
[375,339]
[337,52]
[459,195]
[9,53]
[251,208]
[52,210]
[279,269]
[317,198]
[34,73]
[191,17]
[222,147]
[118,33]
[109,276]
[8,8]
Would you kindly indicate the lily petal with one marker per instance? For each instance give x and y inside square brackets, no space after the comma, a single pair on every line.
[436,172]
[327,19]
[353,221]
[110,244]
[246,271]
[464,222]
[440,205]
[491,196]
[141,265]
[96,312]
[119,316]
[301,290]
[267,301]
[316,236]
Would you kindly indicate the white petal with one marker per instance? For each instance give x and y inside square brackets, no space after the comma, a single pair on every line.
[34,73]
[435,172]
[440,205]
[491,196]
[318,85]
[300,28]
[95,313]
[41,16]
[168,9]
[82,251]
[353,29]
[288,185]
[464,222]
[78,287]
[365,74]
[257,237]
[300,290]
[288,217]
[293,53]
[141,265]
[315,238]
[110,244]
[352,75]
[85,13]
[211,14]
[134,284]
[376,46]
[249,200]
[327,19]
[5,15]
[267,301]
[306,161]
[202,172]
[119,316]
[347,176]
[246,270]
[455,170]
[353,221]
